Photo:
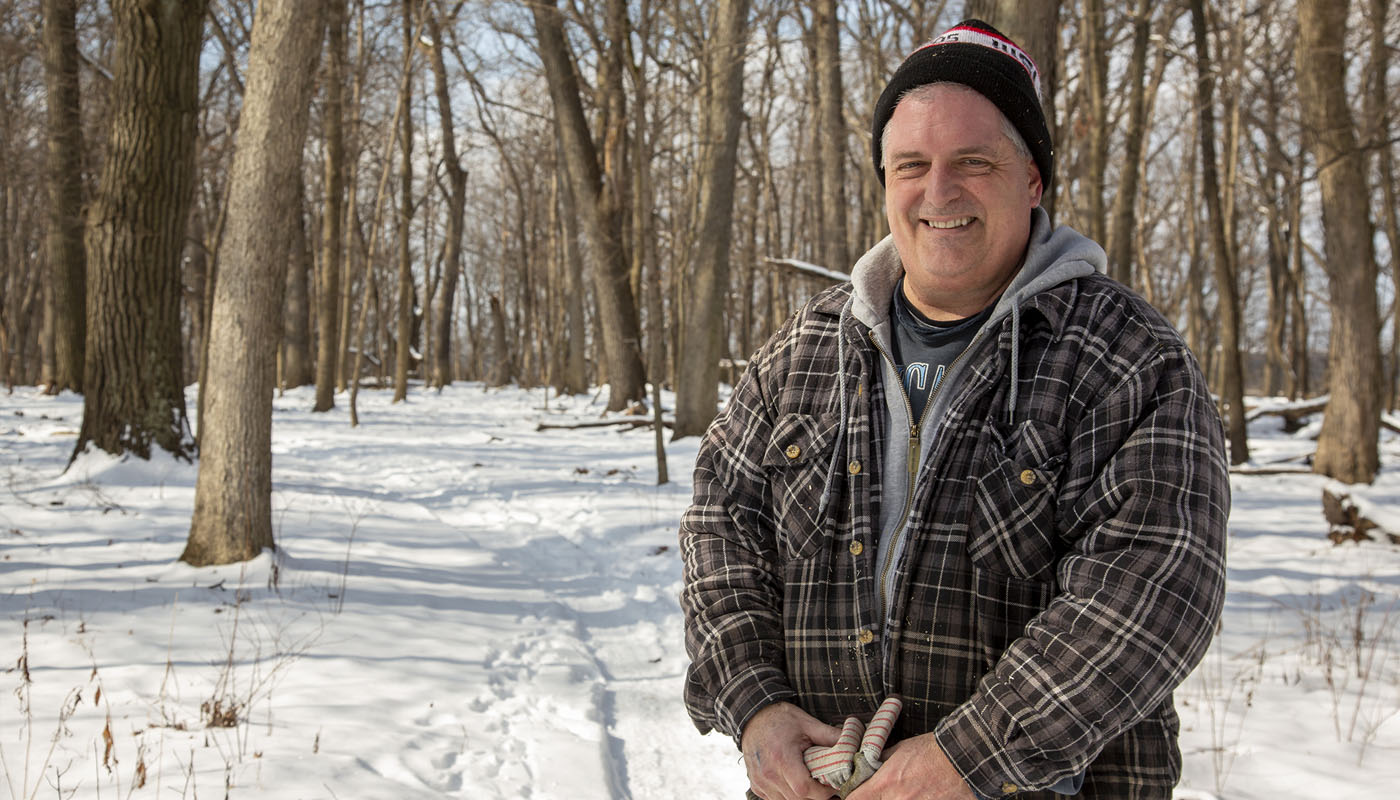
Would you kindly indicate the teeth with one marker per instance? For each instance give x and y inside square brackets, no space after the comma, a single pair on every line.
[952,223]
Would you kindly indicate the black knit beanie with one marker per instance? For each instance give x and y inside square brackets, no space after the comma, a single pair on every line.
[978,56]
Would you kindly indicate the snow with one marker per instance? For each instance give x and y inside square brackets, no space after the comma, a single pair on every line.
[465,606]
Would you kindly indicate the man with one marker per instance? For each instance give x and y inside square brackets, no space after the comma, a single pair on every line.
[981,477]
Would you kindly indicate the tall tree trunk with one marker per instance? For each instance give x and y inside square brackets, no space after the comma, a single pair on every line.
[1120,239]
[697,358]
[233,492]
[1347,447]
[332,230]
[833,137]
[296,328]
[403,352]
[1095,80]
[133,379]
[1378,122]
[1227,291]
[576,358]
[599,214]
[1280,190]
[1300,376]
[456,210]
[66,259]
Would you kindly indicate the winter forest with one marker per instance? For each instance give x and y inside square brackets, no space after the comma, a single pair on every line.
[356,353]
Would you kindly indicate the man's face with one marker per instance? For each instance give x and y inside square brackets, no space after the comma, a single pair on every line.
[958,195]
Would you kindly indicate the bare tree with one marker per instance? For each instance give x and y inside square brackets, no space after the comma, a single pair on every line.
[132,378]
[597,206]
[832,134]
[1125,197]
[1347,447]
[403,352]
[67,261]
[456,209]
[233,492]
[328,351]
[697,358]
[1228,304]
[294,356]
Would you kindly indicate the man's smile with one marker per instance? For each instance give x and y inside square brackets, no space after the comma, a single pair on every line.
[948,224]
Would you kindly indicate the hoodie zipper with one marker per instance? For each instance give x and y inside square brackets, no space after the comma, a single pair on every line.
[915,433]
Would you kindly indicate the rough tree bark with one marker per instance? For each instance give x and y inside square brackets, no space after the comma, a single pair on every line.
[697,357]
[1227,291]
[134,394]
[1347,447]
[67,261]
[233,492]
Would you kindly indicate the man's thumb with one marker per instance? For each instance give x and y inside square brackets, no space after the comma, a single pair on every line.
[820,733]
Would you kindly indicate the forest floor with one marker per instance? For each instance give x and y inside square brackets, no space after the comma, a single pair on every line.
[465,606]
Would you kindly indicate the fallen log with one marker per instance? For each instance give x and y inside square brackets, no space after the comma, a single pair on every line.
[632,422]
[1351,519]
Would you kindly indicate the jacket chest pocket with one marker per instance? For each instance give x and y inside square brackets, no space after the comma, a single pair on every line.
[1013,530]
[797,461]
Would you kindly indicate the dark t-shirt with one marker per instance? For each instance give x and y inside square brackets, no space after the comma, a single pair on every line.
[925,349]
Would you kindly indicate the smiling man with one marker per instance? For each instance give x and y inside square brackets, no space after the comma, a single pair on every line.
[982,477]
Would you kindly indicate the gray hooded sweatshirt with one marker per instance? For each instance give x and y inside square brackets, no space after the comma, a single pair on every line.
[1053,256]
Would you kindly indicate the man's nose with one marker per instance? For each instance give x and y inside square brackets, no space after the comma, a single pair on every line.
[942,184]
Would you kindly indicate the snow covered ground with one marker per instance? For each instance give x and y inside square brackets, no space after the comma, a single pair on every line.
[465,606]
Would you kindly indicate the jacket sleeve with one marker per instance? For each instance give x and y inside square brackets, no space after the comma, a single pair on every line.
[732,595]
[1143,504]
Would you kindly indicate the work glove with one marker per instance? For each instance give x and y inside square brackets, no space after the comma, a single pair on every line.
[856,755]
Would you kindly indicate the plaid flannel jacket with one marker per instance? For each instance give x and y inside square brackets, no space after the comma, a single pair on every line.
[1064,570]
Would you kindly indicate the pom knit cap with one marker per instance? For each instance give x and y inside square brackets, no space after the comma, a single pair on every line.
[978,56]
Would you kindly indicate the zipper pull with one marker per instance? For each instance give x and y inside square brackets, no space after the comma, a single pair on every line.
[913,451]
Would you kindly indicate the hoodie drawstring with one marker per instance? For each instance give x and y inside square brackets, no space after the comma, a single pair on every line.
[1015,362]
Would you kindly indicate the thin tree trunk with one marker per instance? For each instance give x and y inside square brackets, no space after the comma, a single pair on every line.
[833,137]
[370,289]
[133,376]
[1227,291]
[1300,382]
[1347,447]
[233,491]
[66,260]
[296,330]
[332,230]
[456,210]
[697,358]
[1120,239]
[403,352]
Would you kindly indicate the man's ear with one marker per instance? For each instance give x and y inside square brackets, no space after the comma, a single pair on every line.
[1034,185]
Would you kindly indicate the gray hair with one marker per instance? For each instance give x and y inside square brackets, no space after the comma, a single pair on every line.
[924,93]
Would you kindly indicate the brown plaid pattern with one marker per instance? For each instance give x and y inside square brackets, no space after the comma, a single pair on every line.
[1064,571]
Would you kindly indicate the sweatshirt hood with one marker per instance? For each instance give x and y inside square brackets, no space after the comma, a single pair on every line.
[1053,256]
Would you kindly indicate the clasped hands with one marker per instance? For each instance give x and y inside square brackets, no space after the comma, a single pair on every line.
[784,747]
